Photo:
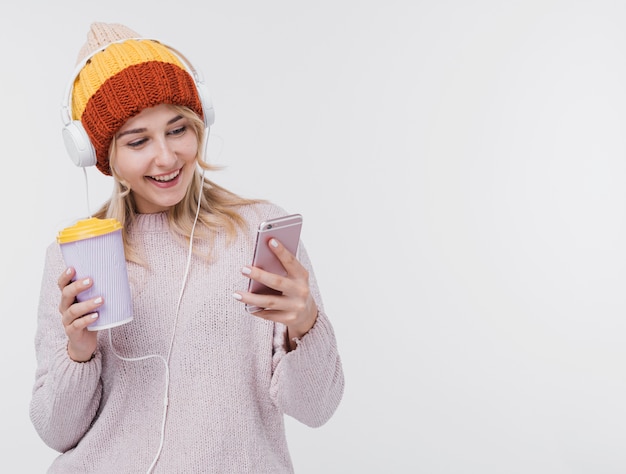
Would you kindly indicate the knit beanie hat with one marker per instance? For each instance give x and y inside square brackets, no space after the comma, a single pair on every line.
[123,78]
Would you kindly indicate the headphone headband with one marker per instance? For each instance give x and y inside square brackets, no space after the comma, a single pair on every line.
[77,141]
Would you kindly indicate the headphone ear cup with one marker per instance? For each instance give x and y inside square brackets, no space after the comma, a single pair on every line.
[207,103]
[78,145]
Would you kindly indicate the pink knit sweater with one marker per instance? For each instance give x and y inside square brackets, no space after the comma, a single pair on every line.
[231,381]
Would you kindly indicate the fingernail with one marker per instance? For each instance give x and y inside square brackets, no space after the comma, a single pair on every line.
[93,315]
[273,243]
[86,281]
[237,296]
[68,271]
[246,270]
[98,300]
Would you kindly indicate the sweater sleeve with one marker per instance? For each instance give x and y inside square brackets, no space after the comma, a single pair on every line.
[66,394]
[308,382]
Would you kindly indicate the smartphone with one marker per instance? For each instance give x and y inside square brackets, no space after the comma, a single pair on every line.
[285,229]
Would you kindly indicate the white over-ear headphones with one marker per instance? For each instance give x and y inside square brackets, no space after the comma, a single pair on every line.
[76,140]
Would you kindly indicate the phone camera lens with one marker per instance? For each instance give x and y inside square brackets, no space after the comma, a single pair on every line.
[269,226]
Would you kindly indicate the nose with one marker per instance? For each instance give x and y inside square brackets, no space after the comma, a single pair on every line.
[165,154]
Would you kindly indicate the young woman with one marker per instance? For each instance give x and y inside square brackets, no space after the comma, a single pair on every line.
[194,383]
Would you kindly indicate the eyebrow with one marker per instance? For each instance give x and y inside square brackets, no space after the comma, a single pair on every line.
[142,130]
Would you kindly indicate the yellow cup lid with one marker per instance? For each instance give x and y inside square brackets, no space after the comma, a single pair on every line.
[87,228]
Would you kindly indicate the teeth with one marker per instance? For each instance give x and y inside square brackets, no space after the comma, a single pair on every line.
[167,177]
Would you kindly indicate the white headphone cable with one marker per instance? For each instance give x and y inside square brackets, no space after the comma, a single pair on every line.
[166,361]
[87,192]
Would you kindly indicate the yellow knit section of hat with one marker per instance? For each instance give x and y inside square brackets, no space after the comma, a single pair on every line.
[115,58]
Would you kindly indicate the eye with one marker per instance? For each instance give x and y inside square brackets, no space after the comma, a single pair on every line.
[178,130]
[137,143]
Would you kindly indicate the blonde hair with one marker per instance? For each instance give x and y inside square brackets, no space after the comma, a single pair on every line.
[218,206]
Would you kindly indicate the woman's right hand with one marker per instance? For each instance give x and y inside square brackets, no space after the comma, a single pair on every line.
[76,316]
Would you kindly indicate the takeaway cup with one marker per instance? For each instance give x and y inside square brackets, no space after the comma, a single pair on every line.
[94,247]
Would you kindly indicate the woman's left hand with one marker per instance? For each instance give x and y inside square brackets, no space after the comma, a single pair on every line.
[295,307]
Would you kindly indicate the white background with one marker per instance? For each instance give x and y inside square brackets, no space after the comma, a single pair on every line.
[460,166]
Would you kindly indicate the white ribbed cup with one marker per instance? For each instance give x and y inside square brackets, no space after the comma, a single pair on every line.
[95,249]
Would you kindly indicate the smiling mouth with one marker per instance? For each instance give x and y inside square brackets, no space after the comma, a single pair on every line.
[166,178]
